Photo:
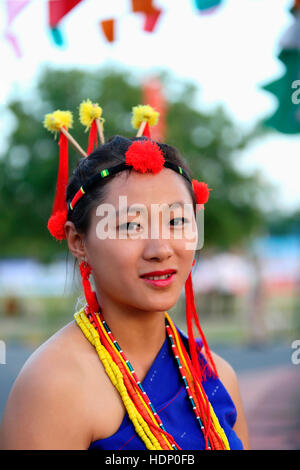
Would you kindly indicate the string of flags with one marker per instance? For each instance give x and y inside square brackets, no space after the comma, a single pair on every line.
[59,9]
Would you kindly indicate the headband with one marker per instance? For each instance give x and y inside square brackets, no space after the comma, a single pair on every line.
[144,156]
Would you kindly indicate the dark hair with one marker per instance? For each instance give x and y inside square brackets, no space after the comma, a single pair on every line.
[110,154]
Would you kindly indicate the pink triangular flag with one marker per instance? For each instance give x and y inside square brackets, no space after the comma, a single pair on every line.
[13,8]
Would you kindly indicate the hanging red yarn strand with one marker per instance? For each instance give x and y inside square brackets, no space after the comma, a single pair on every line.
[93,137]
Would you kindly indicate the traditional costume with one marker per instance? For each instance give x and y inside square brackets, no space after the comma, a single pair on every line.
[181,403]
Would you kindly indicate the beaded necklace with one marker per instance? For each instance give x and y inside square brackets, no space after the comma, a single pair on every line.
[213,434]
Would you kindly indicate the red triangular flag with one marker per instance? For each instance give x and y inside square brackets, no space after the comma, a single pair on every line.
[108,28]
[58,9]
[151,21]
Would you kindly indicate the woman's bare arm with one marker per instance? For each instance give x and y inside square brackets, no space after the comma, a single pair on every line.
[229,379]
[45,409]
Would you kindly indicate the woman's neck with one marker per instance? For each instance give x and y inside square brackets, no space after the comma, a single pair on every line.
[140,334]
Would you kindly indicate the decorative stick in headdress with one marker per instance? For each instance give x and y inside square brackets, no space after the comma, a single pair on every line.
[60,121]
[144,117]
[90,116]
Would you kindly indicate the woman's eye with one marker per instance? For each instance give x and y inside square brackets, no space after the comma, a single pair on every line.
[129,226]
[178,221]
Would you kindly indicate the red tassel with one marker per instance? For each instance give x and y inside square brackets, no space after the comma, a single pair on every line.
[191,314]
[92,137]
[191,338]
[60,208]
[204,342]
[146,132]
[90,296]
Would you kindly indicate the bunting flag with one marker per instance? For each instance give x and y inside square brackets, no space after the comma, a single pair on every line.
[151,20]
[57,36]
[152,94]
[13,8]
[207,5]
[108,28]
[286,89]
[143,6]
[57,10]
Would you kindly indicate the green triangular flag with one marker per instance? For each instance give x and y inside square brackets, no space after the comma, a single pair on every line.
[286,119]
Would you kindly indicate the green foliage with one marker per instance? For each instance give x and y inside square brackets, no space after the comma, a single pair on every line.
[28,170]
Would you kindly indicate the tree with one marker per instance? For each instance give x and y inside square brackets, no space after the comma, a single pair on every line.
[28,169]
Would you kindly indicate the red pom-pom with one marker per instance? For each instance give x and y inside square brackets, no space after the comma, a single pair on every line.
[144,156]
[201,191]
[56,225]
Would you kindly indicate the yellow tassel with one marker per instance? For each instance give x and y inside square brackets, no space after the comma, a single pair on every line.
[88,112]
[53,122]
[144,113]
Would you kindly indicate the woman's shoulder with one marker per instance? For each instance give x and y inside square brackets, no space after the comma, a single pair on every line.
[229,379]
[47,394]
[59,360]
[226,372]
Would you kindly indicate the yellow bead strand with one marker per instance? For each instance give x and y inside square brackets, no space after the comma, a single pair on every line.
[147,408]
[115,375]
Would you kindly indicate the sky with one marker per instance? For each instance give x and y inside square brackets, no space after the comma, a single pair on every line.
[229,54]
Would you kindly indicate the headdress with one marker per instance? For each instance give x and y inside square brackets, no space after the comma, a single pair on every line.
[143,155]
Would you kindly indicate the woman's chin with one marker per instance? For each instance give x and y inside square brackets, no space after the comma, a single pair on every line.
[159,304]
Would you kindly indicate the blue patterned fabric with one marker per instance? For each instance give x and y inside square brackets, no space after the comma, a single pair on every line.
[165,388]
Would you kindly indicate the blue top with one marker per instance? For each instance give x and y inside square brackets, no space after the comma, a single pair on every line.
[165,388]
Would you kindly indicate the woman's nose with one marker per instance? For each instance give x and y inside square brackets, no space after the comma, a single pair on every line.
[159,249]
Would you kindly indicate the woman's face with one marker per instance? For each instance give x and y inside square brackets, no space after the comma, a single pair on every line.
[156,240]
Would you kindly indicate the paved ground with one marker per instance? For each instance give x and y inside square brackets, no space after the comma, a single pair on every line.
[272,404]
[269,383]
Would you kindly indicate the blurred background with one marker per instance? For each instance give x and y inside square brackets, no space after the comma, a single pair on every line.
[224,76]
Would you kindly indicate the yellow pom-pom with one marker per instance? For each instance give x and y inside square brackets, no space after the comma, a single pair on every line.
[53,122]
[89,111]
[142,113]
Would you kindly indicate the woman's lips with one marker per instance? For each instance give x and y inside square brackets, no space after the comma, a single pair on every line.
[160,282]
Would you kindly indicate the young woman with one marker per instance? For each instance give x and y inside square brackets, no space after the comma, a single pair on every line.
[122,376]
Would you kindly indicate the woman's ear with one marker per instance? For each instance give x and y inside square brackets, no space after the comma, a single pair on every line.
[75,241]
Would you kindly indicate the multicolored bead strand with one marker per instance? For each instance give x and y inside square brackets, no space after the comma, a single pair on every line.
[141,411]
[133,374]
[159,432]
[218,431]
[116,377]
[187,383]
